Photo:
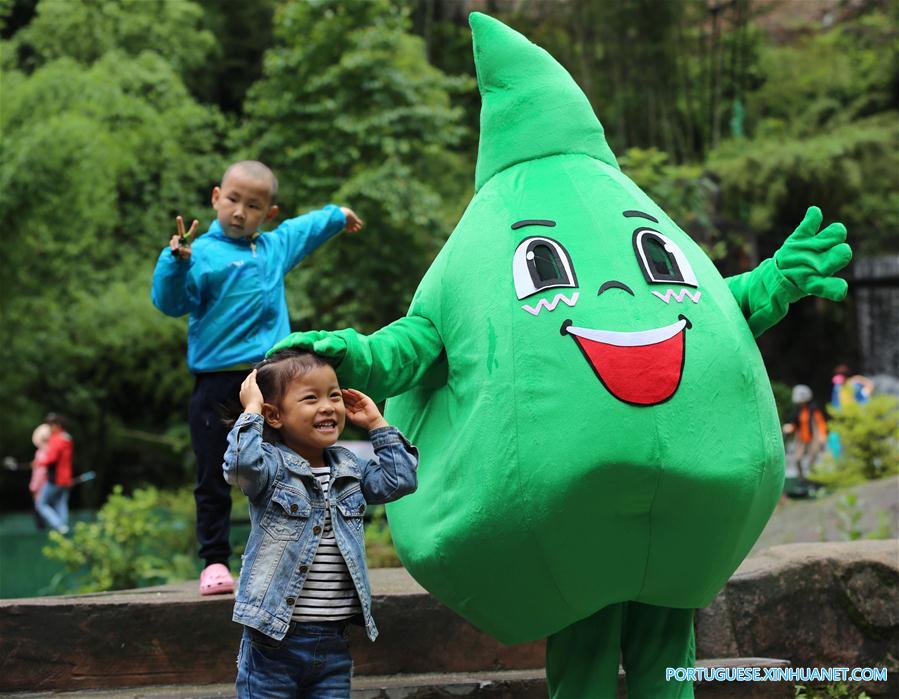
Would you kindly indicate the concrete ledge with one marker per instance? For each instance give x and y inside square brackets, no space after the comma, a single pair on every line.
[814,605]
[170,636]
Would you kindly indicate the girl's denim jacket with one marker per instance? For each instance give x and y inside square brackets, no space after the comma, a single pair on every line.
[287,512]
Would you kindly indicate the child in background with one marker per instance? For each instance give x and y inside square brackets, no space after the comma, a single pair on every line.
[304,574]
[231,282]
[809,430]
[39,438]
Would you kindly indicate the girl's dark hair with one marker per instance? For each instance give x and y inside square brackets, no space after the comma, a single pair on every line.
[274,373]
[273,376]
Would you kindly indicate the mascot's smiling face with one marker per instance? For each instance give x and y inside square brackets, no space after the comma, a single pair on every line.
[603,273]
[642,367]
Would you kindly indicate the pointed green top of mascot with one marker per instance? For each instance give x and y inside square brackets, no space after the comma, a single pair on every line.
[531,106]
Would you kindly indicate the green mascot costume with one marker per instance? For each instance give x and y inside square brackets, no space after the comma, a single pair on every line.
[599,442]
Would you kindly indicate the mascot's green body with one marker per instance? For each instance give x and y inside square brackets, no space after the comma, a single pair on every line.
[599,442]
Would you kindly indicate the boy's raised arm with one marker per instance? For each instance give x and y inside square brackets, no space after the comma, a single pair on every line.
[301,235]
[174,290]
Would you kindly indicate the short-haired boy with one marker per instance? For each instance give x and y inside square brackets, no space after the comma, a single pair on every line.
[231,283]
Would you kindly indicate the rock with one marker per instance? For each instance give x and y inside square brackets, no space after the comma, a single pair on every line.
[817,605]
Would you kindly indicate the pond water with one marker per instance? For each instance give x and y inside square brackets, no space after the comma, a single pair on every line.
[26,572]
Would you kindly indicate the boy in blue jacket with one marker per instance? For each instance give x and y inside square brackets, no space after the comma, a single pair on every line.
[231,282]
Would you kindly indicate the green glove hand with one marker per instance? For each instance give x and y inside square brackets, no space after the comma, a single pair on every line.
[321,342]
[809,259]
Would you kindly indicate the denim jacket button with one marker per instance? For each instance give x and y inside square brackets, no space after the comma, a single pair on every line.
[291,601]
[294,507]
[316,529]
[303,569]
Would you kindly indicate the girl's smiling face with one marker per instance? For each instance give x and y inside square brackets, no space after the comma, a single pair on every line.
[310,416]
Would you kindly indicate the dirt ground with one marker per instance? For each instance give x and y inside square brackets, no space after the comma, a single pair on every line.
[820,519]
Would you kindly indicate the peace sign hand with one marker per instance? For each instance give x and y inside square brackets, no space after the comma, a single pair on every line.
[180,242]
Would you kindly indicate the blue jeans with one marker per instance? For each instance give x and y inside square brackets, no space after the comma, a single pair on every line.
[312,661]
[53,506]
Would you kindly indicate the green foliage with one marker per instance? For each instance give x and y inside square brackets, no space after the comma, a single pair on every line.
[683,191]
[869,435]
[93,164]
[827,79]
[849,513]
[659,74]
[242,31]
[86,30]
[106,154]
[848,516]
[98,359]
[349,110]
[6,8]
[138,540]
[836,690]
[824,130]
[771,180]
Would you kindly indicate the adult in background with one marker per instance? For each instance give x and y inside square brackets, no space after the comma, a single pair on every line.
[53,500]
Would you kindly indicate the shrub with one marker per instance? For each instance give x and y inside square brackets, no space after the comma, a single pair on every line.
[146,538]
[870,447]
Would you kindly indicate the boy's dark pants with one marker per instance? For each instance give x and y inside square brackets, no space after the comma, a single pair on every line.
[214,394]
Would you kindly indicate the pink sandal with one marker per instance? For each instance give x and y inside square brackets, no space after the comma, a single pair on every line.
[216,580]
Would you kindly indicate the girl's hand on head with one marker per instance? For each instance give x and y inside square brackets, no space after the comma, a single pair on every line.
[361,410]
[250,396]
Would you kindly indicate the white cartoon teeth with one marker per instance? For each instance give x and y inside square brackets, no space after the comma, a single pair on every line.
[629,339]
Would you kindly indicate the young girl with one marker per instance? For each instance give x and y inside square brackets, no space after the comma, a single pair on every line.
[304,574]
[40,438]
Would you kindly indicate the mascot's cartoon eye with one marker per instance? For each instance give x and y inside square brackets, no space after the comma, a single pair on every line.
[661,260]
[541,263]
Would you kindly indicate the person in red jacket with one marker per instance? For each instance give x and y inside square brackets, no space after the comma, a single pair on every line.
[53,502]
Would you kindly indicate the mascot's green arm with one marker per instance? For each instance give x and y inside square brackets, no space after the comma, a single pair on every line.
[764,294]
[386,363]
[803,266]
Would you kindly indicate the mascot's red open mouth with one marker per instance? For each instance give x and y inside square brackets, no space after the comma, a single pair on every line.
[642,368]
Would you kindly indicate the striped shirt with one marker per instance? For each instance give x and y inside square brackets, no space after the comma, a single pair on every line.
[328,593]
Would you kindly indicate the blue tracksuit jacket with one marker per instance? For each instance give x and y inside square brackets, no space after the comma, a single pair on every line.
[234,289]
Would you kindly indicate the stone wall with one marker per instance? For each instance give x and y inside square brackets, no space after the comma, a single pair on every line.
[813,605]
